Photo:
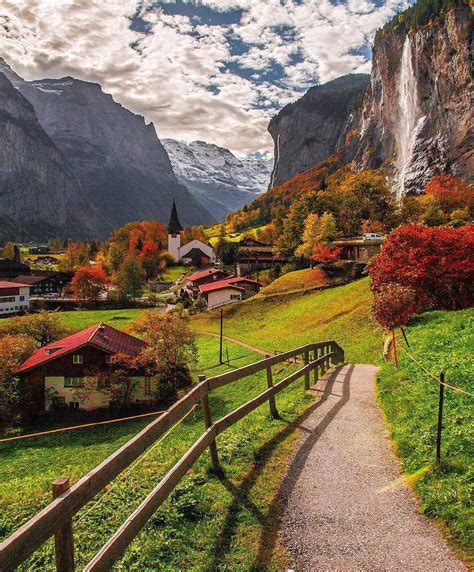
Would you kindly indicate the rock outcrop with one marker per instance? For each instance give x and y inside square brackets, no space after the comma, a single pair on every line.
[121,165]
[40,195]
[309,130]
[417,118]
[216,177]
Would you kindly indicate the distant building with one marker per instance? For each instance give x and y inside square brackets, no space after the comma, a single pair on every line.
[255,255]
[195,252]
[228,290]
[50,376]
[14,298]
[46,282]
[359,248]
[201,277]
[12,267]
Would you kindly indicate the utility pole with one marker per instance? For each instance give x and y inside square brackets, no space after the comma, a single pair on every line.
[222,329]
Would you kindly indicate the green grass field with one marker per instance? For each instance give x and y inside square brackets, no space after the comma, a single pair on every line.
[281,323]
[442,341]
[210,523]
[297,281]
[172,273]
[79,319]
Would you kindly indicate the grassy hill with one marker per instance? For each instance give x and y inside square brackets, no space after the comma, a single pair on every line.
[283,322]
[209,523]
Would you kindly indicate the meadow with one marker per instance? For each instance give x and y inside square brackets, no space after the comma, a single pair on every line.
[210,523]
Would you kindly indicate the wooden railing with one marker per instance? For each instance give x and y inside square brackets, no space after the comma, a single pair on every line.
[56,519]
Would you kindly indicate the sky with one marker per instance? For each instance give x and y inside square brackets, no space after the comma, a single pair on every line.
[211,70]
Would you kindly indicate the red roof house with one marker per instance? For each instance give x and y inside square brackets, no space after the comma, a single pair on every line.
[51,374]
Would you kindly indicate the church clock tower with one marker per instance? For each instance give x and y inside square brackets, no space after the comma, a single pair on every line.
[174,234]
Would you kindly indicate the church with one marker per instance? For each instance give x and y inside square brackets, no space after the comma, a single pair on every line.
[195,252]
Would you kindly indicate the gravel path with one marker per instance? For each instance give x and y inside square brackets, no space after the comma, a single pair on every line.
[345,507]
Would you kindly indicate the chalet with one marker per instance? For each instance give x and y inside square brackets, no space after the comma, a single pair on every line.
[360,248]
[228,290]
[255,255]
[45,282]
[220,293]
[195,252]
[194,281]
[49,377]
[46,260]
[12,267]
[14,298]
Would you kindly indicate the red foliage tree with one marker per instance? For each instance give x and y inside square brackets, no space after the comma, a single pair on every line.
[393,305]
[437,263]
[323,253]
[89,282]
[451,192]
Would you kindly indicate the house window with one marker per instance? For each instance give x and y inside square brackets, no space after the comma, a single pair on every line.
[77,358]
[235,296]
[73,381]
[108,359]
[7,299]
[147,386]
[22,298]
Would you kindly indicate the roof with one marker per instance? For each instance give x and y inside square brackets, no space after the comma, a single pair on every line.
[203,273]
[174,226]
[100,336]
[5,284]
[221,285]
[237,279]
[30,280]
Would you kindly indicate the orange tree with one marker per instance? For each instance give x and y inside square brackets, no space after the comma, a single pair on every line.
[89,282]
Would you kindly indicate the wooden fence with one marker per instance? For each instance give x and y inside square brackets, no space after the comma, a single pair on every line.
[56,519]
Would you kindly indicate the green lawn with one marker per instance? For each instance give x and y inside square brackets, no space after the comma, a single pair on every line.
[228,524]
[172,273]
[281,323]
[442,341]
[79,319]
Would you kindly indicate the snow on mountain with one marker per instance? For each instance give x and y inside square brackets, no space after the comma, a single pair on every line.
[220,181]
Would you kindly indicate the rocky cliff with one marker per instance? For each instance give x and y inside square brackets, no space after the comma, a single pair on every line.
[40,196]
[120,163]
[308,131]
[220,181]
[417,118]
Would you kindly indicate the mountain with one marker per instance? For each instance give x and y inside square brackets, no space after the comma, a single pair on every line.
[120,163]
[417,118]
[413,119]
[40,195]
[309,130]
[220,181]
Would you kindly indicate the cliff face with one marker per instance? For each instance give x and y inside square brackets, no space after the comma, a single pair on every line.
[39,193]
[417,118]
[122,167]
[308,131]
[217,178]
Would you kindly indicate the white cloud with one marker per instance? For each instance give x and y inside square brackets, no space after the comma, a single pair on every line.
[166,74]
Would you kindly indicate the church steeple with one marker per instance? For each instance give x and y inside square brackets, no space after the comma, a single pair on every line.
[174,226]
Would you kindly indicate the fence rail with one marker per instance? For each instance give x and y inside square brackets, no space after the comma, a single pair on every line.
[56,519]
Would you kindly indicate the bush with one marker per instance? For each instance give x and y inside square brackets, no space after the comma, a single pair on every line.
[436,263]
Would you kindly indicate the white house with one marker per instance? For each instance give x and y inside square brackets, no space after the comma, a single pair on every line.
[195,252]
[220,293]
[14,298]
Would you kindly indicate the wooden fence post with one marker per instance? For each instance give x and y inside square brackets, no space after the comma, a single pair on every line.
[206,409]
[440,418]
[271,399]
[306,374]
[63,539]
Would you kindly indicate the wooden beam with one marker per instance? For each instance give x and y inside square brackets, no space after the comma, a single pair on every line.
[63,539]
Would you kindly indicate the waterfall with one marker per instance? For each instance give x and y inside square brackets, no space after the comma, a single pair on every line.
[408,123]
[275,161]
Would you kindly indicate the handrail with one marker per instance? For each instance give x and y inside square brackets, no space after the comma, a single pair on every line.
[29,537]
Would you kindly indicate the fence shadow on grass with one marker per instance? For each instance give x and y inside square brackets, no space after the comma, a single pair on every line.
[271,520]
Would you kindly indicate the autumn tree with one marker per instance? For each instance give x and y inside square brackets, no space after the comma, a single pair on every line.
[43,327]
[89,283]
[310,236]
[14,350]
[76,255]
[171,348]
[150,258]
[130,278]
[436,263]
[9,250]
